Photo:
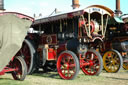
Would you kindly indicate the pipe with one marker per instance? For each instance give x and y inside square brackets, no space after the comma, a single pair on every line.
[75,4]
[1,4]
[118,5]
[118,11]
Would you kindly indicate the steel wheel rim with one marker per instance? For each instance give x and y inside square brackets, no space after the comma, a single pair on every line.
[66,66]
[26,52]
[17,74]
[93,66]
[111,61]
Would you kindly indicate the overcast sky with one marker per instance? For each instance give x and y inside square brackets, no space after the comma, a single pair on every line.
[46,7]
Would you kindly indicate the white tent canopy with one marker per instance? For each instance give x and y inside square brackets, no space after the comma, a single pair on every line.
[12,33]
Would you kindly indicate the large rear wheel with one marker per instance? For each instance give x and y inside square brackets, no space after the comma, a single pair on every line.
[68,65]
[28,52]
[95,63]
[112,61]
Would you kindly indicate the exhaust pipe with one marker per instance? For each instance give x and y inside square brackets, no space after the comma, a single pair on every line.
[75,4]
[118,11]
[2,5]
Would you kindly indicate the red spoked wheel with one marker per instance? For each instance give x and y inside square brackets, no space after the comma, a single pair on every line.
[95,65]
[21,69]
[68,65]
[28,52]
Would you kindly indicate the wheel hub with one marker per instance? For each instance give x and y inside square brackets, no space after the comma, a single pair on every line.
[66,66]
[91,63]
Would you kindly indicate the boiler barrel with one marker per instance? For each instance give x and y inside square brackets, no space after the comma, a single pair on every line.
[121,46]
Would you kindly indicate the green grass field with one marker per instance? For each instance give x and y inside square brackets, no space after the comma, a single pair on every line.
[52,78]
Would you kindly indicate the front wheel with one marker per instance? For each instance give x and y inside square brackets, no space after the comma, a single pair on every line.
[68,65]
[95,65]
[112,61]
[21,69]
[125,60]
[125,65]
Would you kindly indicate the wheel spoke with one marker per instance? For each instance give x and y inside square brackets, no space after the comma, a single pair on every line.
[115,57]
[92,56]
[63,60]
[69,74]
[72,65]
[68,59]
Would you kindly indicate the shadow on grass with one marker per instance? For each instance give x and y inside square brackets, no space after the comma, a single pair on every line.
[117,78]
[54,75]
[6,79]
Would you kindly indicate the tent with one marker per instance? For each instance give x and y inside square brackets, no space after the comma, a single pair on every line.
[12,33]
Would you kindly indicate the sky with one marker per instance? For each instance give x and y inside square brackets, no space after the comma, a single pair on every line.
[46,7]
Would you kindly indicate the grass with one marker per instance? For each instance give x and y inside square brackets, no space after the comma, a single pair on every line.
[52,78]
[7,80]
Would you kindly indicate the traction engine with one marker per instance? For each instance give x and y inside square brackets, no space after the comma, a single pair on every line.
[67,42]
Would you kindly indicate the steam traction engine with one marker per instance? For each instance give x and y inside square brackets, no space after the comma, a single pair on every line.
[124,43]
[114,48]
[68,42]
[115,45]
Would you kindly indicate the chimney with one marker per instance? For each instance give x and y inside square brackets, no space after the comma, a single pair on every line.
[2,5]
[118,11]
[75,4]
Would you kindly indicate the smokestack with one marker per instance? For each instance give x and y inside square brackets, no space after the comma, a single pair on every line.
[75,4]
[118,11]
[2,5]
